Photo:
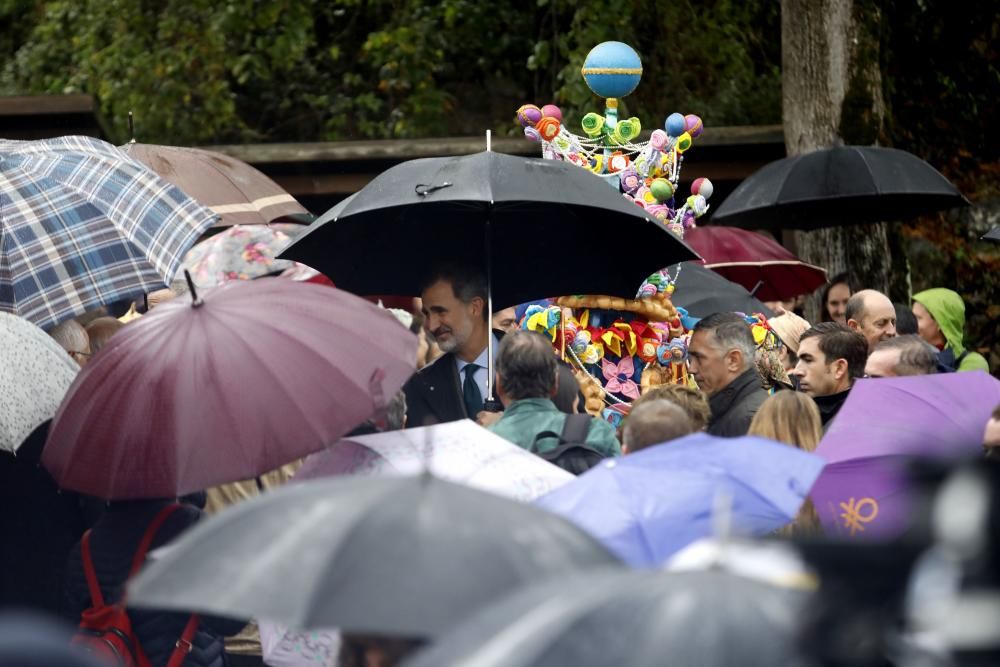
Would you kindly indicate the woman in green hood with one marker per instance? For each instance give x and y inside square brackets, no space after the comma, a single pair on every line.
[940,317]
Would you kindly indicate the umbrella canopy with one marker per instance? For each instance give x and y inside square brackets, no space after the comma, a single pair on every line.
[241,252]
[752,260]
[703,292]
[864,490]
[993,234]
[460,451]
[239,193]
[709,619]
[193,395]
[36,374]
[488,206]
[84,225]
[648,505]
[406,556]
[838,186]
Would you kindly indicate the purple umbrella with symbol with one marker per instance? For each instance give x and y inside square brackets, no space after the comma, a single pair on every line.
[864,490]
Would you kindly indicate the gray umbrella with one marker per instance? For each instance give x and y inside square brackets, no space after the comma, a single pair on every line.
[408,556]
[650,619]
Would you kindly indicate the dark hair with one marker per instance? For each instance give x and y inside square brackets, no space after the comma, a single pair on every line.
[730,331]
[837,341]
[842,278]
[526,364]
[916,357]
[906,321]
[568,391]
[466,282]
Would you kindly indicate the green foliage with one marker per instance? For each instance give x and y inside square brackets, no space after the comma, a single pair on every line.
[213,71]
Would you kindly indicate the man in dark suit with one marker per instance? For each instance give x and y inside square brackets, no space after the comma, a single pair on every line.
[454,386]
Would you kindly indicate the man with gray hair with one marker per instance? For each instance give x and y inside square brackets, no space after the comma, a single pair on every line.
[73,338]
[902,355]
[722,362]
[527,380]
[654,422]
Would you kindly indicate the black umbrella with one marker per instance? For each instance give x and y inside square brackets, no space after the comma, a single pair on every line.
[408,556]
[540,227]
[702,292]
[649,619]
[838,186]
[992,235]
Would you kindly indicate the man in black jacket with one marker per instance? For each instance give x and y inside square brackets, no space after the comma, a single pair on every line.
[831,358]
[454,386]
[721,353]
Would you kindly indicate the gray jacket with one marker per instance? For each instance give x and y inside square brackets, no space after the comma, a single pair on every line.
[734,406]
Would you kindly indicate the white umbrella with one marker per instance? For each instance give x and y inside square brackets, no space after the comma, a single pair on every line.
[460,451]
[35,373]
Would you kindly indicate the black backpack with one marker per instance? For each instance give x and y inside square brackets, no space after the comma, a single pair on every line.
[573,454]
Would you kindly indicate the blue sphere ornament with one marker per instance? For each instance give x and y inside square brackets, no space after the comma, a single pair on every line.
[675,125]
[612,69]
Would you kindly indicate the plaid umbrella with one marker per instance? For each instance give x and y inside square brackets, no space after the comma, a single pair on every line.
[84,225]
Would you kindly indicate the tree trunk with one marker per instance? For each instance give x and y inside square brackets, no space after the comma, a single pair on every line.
[832,94]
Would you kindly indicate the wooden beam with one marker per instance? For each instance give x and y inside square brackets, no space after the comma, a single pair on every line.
[46,105]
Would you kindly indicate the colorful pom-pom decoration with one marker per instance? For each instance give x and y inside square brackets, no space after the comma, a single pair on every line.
[528,115]
[661,189]
[548,127]
[703,187]
[675,125]
[693,125]
[552,111]
[612,69]
[683,142]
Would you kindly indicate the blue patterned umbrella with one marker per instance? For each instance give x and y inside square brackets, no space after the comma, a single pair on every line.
[83,225]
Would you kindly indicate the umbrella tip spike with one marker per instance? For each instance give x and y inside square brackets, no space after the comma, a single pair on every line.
[131,128]
[195,300]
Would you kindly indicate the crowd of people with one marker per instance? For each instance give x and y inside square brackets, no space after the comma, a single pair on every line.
[533,400]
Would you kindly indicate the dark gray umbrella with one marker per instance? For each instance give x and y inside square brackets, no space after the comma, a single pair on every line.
[409,556]
[649,619]
[540,227]
[993,234]
[838,186]
[702,292]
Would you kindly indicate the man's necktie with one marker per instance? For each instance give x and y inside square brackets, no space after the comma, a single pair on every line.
[470,391]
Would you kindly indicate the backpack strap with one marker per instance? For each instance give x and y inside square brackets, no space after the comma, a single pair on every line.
[184,645]
[93,585]
[576,427]
[147,538]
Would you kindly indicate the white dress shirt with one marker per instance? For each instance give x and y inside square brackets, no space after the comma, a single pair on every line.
[482,372]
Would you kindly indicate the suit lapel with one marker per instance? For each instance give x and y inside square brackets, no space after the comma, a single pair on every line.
[444,392]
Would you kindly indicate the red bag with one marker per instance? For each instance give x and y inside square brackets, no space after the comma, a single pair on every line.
[106,630]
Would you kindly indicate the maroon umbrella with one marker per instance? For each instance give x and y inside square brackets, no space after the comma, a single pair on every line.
[767,269]
[257,374]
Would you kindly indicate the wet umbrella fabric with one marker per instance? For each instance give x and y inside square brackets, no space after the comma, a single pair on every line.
[648,505]
[257,375]
[236,191]
[838,186]
[84,225]
[759,264]
[546,214]
[864,490]
[36,374]
[460,451]
[408,556]
[993,234]
[703,292]
[709,619]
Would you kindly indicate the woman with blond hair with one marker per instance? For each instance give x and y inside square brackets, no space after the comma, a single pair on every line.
[792,417]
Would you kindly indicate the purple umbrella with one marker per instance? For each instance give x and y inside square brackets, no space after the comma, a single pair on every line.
[864,490]
[253,376]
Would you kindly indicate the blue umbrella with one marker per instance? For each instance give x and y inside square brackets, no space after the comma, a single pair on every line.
[84,225]
[647,506]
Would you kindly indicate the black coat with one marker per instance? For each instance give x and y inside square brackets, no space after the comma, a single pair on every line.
[734,406]
[38,527]
[113,543]
[829,406]
[434,393]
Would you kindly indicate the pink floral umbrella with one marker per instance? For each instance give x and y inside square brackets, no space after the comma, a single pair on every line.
[245,252]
